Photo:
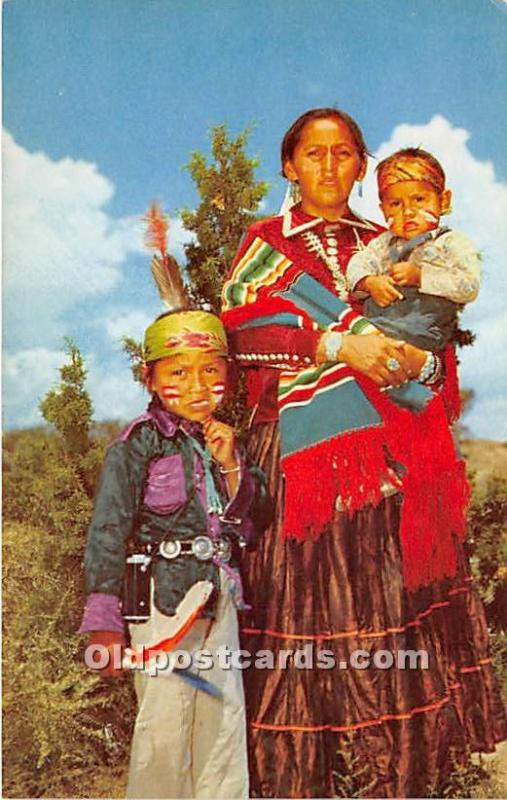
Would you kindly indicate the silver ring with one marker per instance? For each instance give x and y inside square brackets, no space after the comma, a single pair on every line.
[393,365]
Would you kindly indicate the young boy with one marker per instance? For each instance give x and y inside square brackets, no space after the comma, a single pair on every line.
[417,275]
[177,486]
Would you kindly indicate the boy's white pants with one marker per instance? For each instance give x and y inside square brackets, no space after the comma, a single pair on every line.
[187,743]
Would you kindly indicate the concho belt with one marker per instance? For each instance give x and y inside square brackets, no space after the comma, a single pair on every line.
[202,547]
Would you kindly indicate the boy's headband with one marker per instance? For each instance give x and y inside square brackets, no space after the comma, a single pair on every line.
[183,331]
[410,168]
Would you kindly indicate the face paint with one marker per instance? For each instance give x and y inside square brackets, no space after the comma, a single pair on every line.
[428,215]
[218,390]
[170,394]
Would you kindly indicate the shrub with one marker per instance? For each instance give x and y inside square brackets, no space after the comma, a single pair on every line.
[53,709]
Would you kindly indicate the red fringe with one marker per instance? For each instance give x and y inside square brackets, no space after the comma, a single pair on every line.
[355,464]
[450,387]
[351,465]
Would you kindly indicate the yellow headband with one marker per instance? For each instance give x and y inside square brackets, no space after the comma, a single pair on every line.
[183,331]
[410,168]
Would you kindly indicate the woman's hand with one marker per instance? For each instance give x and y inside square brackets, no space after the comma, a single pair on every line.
[414,359]
[372,353]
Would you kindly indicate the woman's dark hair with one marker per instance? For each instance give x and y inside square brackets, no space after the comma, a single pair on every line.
[293,135]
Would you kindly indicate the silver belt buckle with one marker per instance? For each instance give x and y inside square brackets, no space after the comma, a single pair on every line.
[224,549]
[202,548]
[170,549]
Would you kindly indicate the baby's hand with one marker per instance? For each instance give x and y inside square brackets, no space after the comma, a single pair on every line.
[382,288]
[406,274]
[220,440]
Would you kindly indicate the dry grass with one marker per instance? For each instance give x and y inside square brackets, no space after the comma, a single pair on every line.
[485,459]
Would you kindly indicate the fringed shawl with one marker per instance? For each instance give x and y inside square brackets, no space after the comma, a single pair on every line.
[341,436]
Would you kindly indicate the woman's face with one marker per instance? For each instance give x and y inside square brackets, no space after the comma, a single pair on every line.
[326,164]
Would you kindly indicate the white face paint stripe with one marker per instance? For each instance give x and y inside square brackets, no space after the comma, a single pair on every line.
[169,393]
[428,215]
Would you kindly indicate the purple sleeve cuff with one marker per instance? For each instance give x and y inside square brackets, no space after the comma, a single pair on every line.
[240,505]
[102,613]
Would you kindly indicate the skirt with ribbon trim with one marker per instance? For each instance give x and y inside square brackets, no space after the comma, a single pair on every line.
[346,709]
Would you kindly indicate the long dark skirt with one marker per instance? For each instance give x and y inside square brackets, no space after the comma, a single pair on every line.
[386,732]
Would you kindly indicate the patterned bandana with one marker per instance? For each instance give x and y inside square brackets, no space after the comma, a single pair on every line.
[409,168]
[186,330]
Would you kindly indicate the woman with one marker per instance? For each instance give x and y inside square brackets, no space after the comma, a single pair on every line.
[352,566]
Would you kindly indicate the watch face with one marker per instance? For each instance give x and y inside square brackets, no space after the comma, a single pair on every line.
[333,345]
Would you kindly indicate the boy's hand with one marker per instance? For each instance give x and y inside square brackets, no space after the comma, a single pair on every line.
[406,274]
[106,646]
[382,288]
[220,440]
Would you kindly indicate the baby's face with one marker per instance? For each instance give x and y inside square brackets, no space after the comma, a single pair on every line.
[413,207]
[191,384]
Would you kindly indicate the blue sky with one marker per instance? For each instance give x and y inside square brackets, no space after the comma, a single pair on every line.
[104,101]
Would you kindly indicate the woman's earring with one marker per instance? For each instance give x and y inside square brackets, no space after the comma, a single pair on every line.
[295,192]
[360,189]
[292,196]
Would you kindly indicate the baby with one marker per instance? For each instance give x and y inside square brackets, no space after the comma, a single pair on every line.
[417,275]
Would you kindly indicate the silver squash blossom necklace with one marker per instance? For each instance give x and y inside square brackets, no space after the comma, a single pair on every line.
[329,255]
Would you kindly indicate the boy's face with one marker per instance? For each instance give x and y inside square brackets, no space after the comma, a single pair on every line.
[191,384]
[413,207]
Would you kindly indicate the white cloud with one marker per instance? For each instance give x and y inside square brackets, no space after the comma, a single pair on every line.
[127,323]
[27,376]
[177,238]
[60,245]
[30,373]
[114,392]
[479,210]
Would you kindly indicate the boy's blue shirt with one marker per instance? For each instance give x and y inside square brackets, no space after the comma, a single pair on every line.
[149,490]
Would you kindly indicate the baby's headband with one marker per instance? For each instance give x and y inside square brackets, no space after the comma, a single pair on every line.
[409,168]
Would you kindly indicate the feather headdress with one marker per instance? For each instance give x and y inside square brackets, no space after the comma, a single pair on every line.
[164,267]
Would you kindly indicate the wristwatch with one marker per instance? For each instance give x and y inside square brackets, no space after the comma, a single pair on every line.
[333,342]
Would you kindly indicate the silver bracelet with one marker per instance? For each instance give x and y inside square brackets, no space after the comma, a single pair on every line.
[429,370]
[229,471]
